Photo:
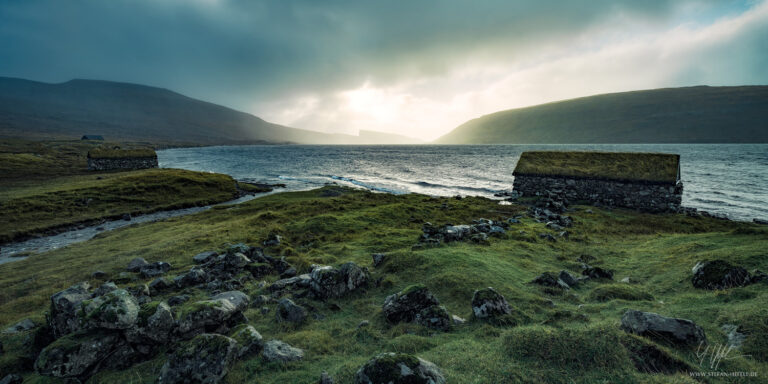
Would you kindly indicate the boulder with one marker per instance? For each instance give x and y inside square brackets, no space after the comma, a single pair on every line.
[487,303]
[278,351]
[136,264]
[199,316]
[300,281]
[204,257]
[328,282]
[204,359]
[75,354]
[239,299]
[272,240]
[249,340]
[155,269]
[719,274]
[435,317]
[115,310]
[235,260]
[660,328]
[21,326]
[404,306]
[378,258]
[288,311]
[567,278]
[325,378]
[160,284]
[195,276]
[64,305]
[597,273]
[398,368]
[154,324]
[549,279]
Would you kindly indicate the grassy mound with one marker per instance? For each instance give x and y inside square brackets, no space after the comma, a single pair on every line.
[559,337]
[85,199]
[644,167]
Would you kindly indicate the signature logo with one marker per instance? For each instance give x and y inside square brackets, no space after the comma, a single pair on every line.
[713,355]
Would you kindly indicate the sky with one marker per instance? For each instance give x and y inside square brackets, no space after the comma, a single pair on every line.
[417,68]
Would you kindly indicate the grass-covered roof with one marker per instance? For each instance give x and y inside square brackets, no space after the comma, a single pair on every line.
[626,166]
[119,153]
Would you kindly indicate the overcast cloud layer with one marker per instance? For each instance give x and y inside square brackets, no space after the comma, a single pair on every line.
[417,68]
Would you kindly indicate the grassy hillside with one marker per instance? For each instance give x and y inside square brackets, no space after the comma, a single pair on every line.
[553,336]
[121,111]
[674,115]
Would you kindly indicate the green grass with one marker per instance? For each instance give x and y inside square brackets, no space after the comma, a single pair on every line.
[646,167]
[559,337]
[105,152]
[62,202]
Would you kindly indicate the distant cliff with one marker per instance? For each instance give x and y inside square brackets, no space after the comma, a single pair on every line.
[672,115]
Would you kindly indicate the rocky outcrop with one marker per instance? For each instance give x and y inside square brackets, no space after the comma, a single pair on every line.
[660,328]
[550,279]
[478,231]
[398,368]
[75,354]
[248,339]
[117,309]
[204,359]
[155,269]
[64,305]
[487,303]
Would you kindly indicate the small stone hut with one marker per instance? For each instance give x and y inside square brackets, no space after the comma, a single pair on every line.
[644,181]
[105,159]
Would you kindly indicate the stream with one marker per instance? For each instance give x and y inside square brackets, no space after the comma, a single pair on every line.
[21,250]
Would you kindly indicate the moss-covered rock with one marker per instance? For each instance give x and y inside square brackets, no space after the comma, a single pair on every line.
[154,324]
[204,359]
[64,308]
[194,318]
[248,339]
[115,310]
[719,274]
[405,305]
[487,303]
[75,354]
[328,282]
[398,368]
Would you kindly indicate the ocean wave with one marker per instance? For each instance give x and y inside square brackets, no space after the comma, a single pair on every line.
[370,187]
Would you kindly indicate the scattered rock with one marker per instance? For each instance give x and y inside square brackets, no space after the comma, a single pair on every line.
[201,316]
[435,317]
[204,359]
[549,279]
[159,285]
[404,306]
[99,275]
[719,274]
[204,257]
[398,368]
[278,351]
[665,329]
[248,339]
[155,269]
[488,303]
[597,273]
[567,278]
[272,240]
[327,282]
[64,305]
[239,299]
[21,326]
[75,354]
[195,276]
[300,281]
[136,264]
[378,258]
[154,324]
[547,236]
[288,311]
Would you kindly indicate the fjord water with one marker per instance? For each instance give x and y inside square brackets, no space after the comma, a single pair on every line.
[730,179]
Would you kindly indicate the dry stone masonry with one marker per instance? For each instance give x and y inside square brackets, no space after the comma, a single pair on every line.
[625,187]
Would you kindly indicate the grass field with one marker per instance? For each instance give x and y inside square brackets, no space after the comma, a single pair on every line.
[565,337]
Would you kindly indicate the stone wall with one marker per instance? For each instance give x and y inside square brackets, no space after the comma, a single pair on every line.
[635,195]
[106,164]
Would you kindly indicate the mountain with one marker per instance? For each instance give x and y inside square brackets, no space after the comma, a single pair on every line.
[699,114]
[121,111]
